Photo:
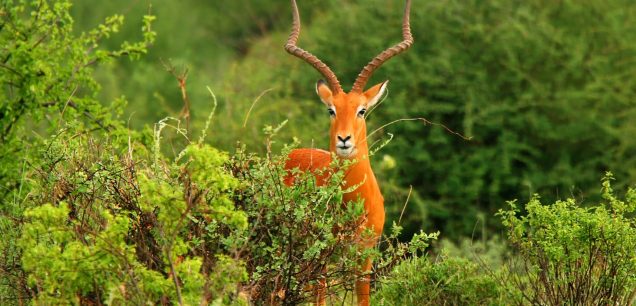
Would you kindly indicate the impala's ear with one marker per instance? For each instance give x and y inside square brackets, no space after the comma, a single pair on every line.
[324,92]
[375,93]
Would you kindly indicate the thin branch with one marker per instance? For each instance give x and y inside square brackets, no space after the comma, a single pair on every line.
[426,121]
[405,203]
[67,102]
[181,79]
[254,103]
[7,67]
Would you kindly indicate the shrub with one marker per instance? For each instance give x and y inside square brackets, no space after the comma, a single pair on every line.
[574,255]
[109,223]
[303,234]
[444,281]
[46,75]
[492,253]
[297,236]
[107,227]
[47,67]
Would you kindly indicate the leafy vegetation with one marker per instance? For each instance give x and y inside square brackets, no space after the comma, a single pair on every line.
[564,254]
[100,213]
[575,255]
[116,229]
[47,85]
[98,206]
[452,281]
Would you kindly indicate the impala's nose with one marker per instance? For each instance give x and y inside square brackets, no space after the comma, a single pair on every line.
[344,142]
[344,139]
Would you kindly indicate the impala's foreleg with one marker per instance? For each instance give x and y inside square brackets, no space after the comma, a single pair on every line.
[363,279]
[320,291]
[363,283]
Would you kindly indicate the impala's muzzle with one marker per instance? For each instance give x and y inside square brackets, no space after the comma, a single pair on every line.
[344,146]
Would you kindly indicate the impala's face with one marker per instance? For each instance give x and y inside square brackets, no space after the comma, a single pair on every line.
[347,112]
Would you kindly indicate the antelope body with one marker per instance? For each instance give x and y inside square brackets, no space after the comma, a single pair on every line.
[348,140]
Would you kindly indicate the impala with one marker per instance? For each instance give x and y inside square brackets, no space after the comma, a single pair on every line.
[348,139]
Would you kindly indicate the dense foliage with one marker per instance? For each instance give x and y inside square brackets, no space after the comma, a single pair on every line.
[446,281]
[565,254]
[47,85]
[101,208]
[113,229]
[97,213]
[575,255]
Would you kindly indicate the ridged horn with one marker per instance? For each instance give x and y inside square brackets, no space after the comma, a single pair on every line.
[291,48]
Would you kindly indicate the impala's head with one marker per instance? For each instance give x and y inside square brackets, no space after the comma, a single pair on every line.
[347,110]
[348,131]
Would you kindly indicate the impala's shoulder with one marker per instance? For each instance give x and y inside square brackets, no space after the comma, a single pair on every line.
[309,152]
[306,158]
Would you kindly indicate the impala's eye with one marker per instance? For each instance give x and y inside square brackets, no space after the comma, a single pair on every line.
[332,112]
[361,112]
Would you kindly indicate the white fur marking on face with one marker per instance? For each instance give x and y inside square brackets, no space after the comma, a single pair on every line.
[378,96]
[346,153]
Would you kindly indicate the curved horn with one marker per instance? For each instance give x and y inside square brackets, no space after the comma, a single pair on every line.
[407,41]
[291,47]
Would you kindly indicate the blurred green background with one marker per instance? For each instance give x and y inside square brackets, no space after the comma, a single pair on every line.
[545,88]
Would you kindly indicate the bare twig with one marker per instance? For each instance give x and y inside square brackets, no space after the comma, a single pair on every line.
[7,67]
[254,103]
[210,117]
[181,79]
[405,203]
[66,104]
[426,121]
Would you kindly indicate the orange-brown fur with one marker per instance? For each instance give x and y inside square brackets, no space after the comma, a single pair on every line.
[308,160]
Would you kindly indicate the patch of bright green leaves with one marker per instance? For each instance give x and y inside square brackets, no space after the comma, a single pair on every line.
[575,254]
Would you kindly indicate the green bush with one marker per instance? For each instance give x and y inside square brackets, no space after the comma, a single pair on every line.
[131,226]
[444,281]
[47,86]
[93,212]
[574,255]
[297,236]
[491,254]
[108,223]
